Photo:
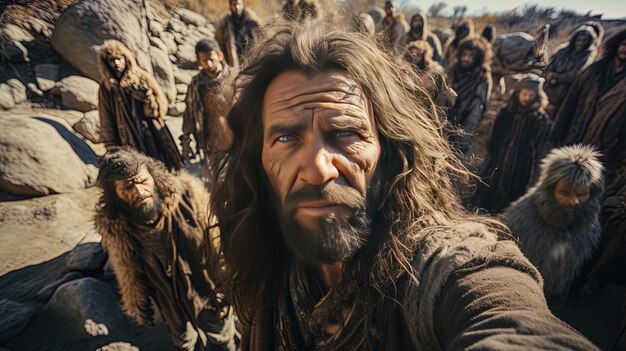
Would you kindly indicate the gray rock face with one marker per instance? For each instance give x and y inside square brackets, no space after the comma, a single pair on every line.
[158,42]
[191,17]
[85,257]
[163,72]
[46,75]
[14,317]
[156,28]
[89,126]
[88,23]
[18,90]
[79,93]
[176,109]
[32,144]
[168,39]
[186,55]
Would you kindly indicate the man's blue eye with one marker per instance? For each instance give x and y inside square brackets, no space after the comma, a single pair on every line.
[285,138]
[344,133]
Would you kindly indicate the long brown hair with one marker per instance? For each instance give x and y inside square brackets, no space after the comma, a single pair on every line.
[418,167]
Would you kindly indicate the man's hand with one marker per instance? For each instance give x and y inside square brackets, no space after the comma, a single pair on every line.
[185,143]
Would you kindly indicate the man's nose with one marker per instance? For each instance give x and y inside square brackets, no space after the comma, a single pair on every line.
[137,190]
[317,166]
[573,200]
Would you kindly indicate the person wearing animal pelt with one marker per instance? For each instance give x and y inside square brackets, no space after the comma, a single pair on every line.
[132,106]
[464,30]
[557,221]
[155,229]
[420,31]
[516,146]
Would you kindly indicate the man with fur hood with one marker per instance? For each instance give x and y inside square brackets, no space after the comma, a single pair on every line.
[471,80]
[516,146]
[155,229]
[465,29]
[574,56]
[557,221]
[419,31]
[132,106]
[594,110]
[419,55]
[235,32]
[392,27]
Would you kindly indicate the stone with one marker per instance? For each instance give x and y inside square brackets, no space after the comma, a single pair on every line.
[186,56]
[33,89]
[86,24]
[89,126]
[175,25]
[182,78]
[191,17]
[96,329]
[172,58]
[181,88]
[176,109]
[206,32]
[18,90]
[168,40]
[6,97]
[14,316]
[46,75]
[16,33]
[181,97]
[163,72]
[85,257]
[14,51]
[179,38]
[118,346]
[32,144]
[156,28]
[79,93]
[158,43]
[44,294]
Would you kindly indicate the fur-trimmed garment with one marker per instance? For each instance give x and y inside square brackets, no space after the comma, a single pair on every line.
[235,35]
[392,31]
[449,53]
[474,292]
[172,263]
[132,108]
[427,35]
[557,242]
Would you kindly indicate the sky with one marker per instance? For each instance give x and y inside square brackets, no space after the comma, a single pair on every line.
[609,8]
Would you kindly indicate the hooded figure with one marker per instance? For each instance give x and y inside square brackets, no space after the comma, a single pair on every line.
[132,106]
[419,55]
[574,56]
[557,221]
[235,32]
[464,30]
[593,111]
[419,31]
[392,28]
[516,146]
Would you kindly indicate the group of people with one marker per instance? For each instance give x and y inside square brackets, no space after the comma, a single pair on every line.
[334,220]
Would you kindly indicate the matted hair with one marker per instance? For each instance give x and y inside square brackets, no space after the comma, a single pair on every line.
[579,165]
[418,167]
[484,52]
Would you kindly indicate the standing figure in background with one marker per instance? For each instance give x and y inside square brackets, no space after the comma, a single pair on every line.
[579,52]
[235,32]
[517,144]
[464,30]
[419,55]
[299,10]
[132,106]
[392,27]
[557,221]
[471,80]
[209,97]
[419,31]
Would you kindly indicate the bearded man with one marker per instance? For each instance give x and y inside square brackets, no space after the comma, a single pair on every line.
[392,27]
[338,218]
[574,56]
[593,111]
[236,32]
[557,221]
[464,30]
[419,31]
[154,227]
[209,97]
[419,55]
[471,80]
[517,145]
[132,106]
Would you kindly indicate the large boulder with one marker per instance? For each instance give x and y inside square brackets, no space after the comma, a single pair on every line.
[163,72]
[41,156]
[89,126]
[84,26]
[85,257]
[79,93]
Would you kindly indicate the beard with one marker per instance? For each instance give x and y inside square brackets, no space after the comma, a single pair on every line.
[143,214]
[562,216]
[327,239]
[417,30]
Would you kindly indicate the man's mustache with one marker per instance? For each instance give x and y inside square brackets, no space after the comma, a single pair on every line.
[333,193]
[141,198]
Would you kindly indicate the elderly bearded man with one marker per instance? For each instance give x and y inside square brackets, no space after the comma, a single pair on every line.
[338,219]
[154,227]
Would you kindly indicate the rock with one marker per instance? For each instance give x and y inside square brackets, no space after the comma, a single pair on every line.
[181,88]
[18,90]
[156,28]
[32,144]
[186,56]
[181,97]
[15,33]
[46,75]
[172,58]
[96,329]
[14,51]
[168,40]
[33,89]
[176,109]
[118,346]
[87,24]
[14,317]
[6,97]
[85,257]
[44,294]
[179,38]
[206,32]
[191,17]
[163,72]
[158,43]
[182,78]
[89,126]
[79,93]
[176,25]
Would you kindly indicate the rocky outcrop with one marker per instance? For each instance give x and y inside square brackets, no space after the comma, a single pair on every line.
[89,126]
[78,93]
